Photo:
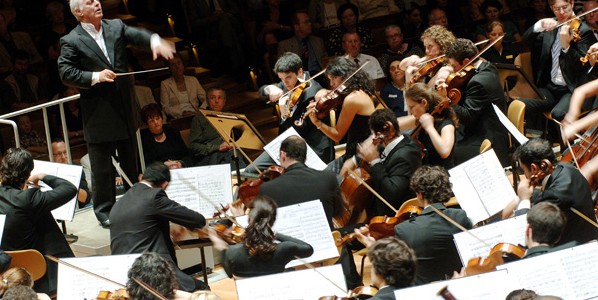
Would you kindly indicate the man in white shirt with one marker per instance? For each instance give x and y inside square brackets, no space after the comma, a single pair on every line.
[352,47]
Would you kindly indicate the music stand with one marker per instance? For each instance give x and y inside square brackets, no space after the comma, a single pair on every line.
[238,128]
[508,70]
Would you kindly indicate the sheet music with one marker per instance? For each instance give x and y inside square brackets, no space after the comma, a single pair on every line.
[494,285]
[214,182]
[312,160]
[568,273]
[509,125]
[481,186]
[71,173]
[510,231]
[305,284]
[2,222]
[307,222]
[74,284]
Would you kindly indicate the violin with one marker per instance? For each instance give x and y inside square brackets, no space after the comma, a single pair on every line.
[360,292]
[584,60]
[499,254]
[574,29]
[544,169]
[429,67]
[438,109]
[584,150]
[355,196]
[446,294]
[120,294]
[297,91]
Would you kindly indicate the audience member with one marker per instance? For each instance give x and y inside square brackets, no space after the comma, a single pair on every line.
[591,19]
[10,42]
[29,138]
[309,47]
[348,15]
[352,47]
[322,13]
[477,13]
[60,156]
[24,85]
[162,143]
[413,23]
[437,16]
[149,230]
[274,23]
[375,8]
[539,10]
[29,221]
[502,52]
[181,95]
[397,49]
[72,114]
[392,93]
[262,252]
[492,12]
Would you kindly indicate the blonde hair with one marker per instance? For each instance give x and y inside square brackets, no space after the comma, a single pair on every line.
[15,276]
[440,35]
[204,295]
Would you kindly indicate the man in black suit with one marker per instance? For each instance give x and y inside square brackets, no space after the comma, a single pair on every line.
[477,119]
[393,157]
[149,229]
[299,183]
[92,55]
[29,221]
[393,267]
[545,225]
[560,183]
[557,77]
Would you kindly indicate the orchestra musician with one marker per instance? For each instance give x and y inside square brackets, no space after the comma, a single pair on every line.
[393,267]
[355,111]
[300,183]
[437,133]
[289,68]
[436,40]
[259,253]
[564,186]
[429,234]
[545,225]
[140,222]
[477,119]
[558,77]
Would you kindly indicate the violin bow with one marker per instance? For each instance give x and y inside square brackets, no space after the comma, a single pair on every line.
[481,52]
[307,80]
[574,18]
[148,288]
[577,212]
[372,190]
[443,55]
[312,267]
[450,220]
[120,171]
[567,142]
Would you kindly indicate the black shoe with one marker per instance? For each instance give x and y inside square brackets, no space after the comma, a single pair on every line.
[105,224]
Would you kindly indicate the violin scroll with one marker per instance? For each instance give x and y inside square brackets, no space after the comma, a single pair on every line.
[544,169]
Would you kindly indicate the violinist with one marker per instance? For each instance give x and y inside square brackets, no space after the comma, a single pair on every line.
[545,225]
[559,183]
[355,110]
[300,183]
[436,40]
[437,133]
[430,235]
[140,222]
[392,158]
[262,252]
[393,267]
[477,119]
[557,77]
[289,69]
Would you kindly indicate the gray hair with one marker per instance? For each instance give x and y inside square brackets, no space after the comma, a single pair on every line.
[74,5]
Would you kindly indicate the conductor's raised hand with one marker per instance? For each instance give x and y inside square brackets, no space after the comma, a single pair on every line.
[164,49]
[107,76]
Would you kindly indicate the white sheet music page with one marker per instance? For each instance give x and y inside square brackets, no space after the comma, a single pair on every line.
[71,173]
[305,284]
[481,186]
[568,273]
[488,286]
[312,160]
[305,221]
[2,222]
[188,186]
[74,284]
[510,231]
[522,139]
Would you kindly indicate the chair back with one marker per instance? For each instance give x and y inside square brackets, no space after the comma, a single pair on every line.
[485,146]
[30,260]
[516,114]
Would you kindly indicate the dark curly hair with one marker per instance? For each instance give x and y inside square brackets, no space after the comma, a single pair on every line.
[259,236]
[534,151]
[419,91]
[16,167]
[342,67]
[461,49]
[341,10]
[433,183]
[150,111]
[394,260]
[154,270]
[380,117]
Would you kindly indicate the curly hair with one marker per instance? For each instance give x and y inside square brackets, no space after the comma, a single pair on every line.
[149,111]
[16,167]
[380,117]
[461,49]
[342,67]
[440,35]
[534,151]
[432,182]
[259,236]
[419,91]
[15,276]
[394,260]
[154,270]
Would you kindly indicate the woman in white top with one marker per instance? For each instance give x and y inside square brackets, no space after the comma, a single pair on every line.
[181,95]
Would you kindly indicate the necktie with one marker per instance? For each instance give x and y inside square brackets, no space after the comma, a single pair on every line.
[556,51]
[356,61]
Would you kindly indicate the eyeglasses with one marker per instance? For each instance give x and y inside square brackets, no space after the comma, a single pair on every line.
[564,8]
[396,35]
